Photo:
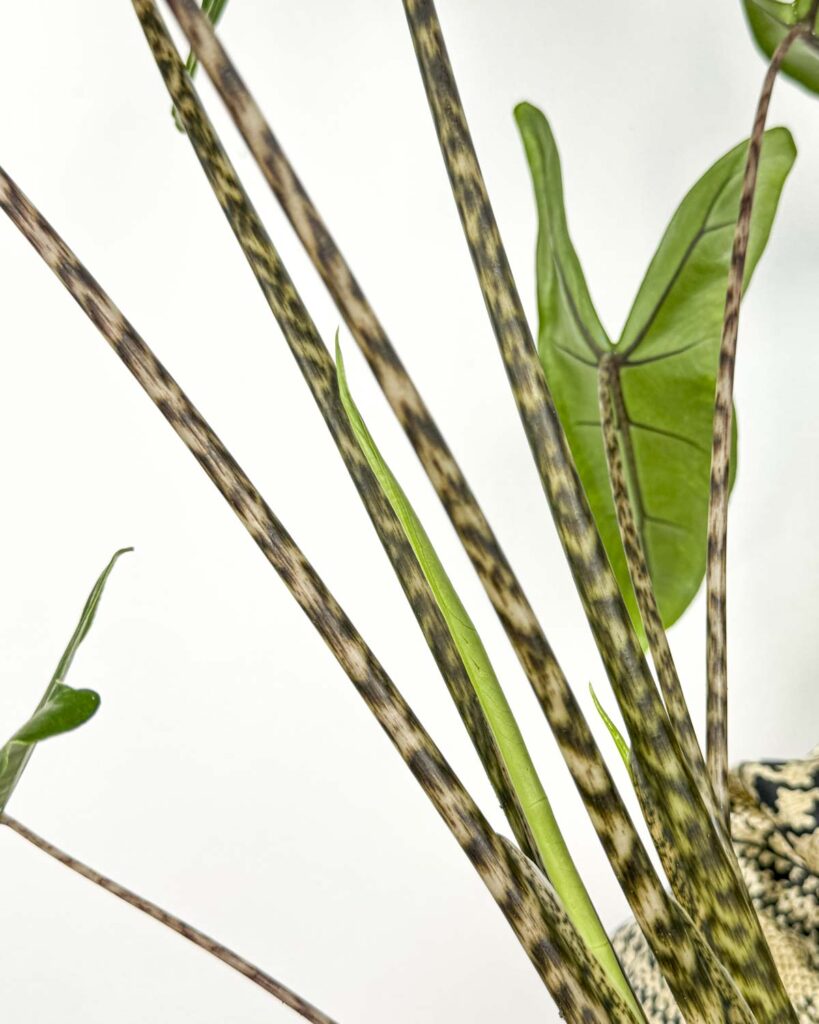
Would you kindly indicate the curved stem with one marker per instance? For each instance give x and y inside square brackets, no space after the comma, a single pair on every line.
[227,956]
[716,585]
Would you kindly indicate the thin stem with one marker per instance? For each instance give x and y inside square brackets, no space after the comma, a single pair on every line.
[535,914]
[187,931]
[716,577]
[614,422]
[698,853]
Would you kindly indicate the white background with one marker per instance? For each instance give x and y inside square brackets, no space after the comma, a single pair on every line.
[232,773]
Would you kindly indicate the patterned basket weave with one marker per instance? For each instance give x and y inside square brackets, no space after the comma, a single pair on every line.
[775,829]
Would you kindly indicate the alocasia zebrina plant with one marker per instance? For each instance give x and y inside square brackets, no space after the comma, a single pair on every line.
[635,445]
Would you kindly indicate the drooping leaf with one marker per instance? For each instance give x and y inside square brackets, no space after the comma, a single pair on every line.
[770,21]
[62,707]
[665,359]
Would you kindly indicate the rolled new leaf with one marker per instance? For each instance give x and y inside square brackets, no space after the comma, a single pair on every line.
[62,707]
[614,732]
[551,846]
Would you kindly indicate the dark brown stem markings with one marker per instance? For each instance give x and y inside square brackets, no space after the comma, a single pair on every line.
[574,979]
[318,369]
[615,426]
[187,931]
[716,582]
[497,576]
[723,908]
[609,815]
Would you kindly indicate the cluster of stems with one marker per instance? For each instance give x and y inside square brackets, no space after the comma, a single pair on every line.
[705,933]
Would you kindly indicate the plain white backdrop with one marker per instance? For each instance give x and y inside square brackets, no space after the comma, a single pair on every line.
[232,774]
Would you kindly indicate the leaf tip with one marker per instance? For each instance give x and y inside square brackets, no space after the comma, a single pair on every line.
[787,140]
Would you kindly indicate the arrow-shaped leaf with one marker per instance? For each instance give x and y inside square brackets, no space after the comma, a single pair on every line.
[770,21]
[665,360]
[62,707]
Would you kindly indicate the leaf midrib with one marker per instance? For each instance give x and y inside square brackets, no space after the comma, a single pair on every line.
[702,231]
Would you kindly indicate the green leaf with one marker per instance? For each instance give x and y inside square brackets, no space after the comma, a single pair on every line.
[614,732]
[64,710]
[533,799]
[770,21]
[62,707]
[665,360]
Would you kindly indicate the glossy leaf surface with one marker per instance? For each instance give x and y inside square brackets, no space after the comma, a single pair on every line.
[665,359]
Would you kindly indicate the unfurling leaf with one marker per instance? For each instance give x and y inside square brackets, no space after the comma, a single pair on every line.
[770,21]
[62,707]
[665,361]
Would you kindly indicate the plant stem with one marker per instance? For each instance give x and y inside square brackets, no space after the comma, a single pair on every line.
[554,854]
[213,10]
[187,931]
[612,416]
[716,577]
[574,978]
[697,852]
[482,546]
[611,820]
[319,372]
